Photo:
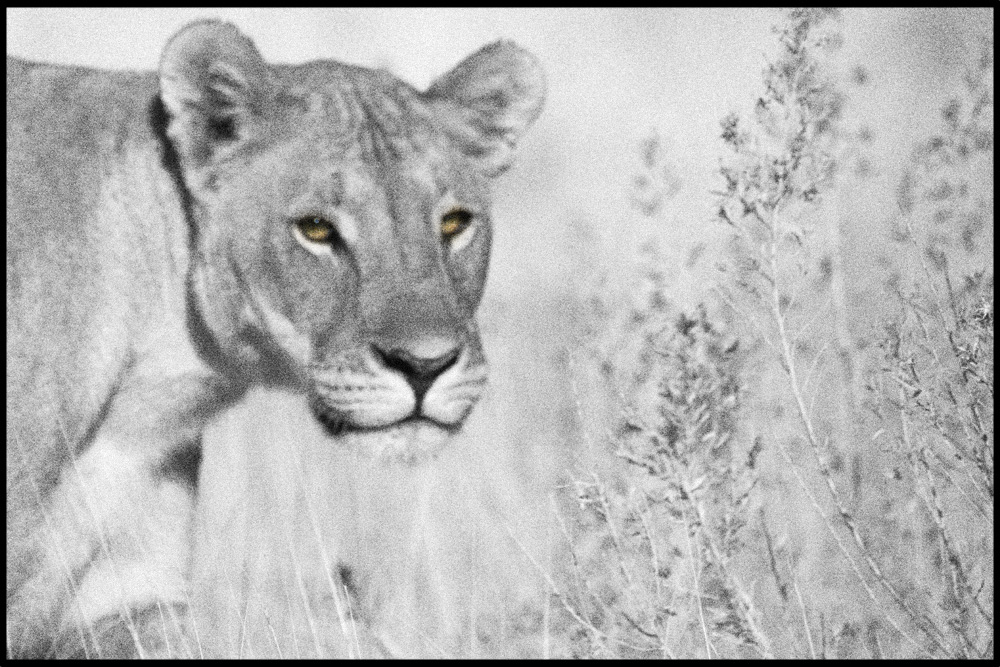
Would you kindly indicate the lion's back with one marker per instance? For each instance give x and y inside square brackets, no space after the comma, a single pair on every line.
[63,124]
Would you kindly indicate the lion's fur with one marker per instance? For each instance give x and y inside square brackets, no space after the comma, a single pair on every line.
[152,277]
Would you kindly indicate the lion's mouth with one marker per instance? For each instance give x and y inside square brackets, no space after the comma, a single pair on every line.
[398,431]
[336,425]
[336,422]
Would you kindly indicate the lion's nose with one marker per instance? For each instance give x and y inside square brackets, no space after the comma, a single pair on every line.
[420,371]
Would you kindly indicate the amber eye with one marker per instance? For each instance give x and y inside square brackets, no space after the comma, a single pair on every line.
[316,229]
[454,222]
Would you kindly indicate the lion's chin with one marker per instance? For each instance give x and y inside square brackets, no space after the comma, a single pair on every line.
[409,442]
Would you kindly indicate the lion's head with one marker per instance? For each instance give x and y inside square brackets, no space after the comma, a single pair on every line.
[342,226]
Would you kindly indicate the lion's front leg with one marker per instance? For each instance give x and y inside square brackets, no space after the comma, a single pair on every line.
[112,558]
[111,554]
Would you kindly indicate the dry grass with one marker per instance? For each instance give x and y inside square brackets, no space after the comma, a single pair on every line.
[787,490]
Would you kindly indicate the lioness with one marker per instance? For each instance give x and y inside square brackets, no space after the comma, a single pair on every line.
[173,239]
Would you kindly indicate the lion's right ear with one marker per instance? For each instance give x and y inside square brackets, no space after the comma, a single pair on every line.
[216,89]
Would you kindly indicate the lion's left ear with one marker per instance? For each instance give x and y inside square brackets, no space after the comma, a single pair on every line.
[488,100]
[216,88]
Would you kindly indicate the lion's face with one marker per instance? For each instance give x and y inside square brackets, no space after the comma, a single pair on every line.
[360,283]
[342,228]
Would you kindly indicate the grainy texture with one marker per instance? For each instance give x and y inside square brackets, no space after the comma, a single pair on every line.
[175,238]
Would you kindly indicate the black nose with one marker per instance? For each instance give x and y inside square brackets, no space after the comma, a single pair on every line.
[420,372]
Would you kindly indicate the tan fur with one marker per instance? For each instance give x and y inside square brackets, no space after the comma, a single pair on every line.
[154,272]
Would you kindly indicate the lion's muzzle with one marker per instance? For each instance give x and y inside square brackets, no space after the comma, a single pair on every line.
[374,391]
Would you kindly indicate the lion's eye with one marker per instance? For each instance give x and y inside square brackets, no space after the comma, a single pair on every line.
[316,229]
[454,222]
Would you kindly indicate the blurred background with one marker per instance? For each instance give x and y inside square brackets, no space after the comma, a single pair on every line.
[614,76]
[437,553]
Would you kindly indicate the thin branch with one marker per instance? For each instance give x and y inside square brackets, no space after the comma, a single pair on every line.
[697,589]
[805,618]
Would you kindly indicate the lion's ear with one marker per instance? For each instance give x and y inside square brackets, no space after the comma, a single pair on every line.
[216,89]
[489,99]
